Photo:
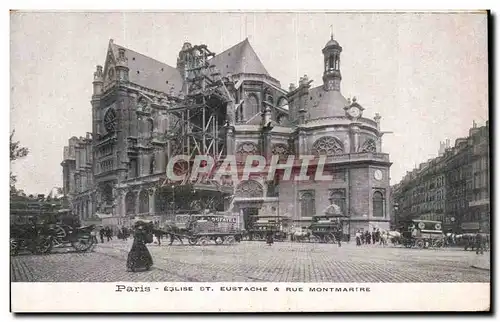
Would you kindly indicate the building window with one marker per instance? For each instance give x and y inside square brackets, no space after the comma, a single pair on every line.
[378,204]
[338,197]
[307,204]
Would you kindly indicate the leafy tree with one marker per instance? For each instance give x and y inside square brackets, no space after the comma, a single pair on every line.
[16,152]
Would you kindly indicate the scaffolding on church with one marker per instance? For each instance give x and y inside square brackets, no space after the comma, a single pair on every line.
[197,126]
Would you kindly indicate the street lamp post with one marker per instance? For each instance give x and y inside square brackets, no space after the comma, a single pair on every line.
[396,207]
[173,202]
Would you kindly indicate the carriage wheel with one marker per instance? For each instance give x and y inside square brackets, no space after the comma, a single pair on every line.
[59,234]
[42,245]
[330,239]
[193,240]
[14,246]
[314,239]
[420,243]
[83,243]
[219,240]
[204,241]
[437,243]
[229,240]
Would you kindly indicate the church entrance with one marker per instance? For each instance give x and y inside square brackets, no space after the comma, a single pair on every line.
[250,217]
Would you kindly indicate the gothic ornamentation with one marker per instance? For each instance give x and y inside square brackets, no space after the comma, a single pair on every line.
[250,189]
[369,146]
[110,120]
[281,150]
[143,106]
[247,148]
[328,146]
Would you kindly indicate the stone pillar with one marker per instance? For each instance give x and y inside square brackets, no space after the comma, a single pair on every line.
[146,164]
[152,201]
[354,130]
[137,201]
[121,203]
[159,161]
[230,144]
[302,143]
[91,207]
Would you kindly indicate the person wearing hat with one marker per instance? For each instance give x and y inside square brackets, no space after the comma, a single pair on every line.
[139,257]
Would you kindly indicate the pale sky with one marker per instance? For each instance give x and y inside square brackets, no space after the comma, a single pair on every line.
[426,74]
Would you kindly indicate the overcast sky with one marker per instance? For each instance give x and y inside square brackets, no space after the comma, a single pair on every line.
[426,74]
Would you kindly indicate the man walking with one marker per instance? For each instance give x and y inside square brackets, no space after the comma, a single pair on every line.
[479,244]
[358,238]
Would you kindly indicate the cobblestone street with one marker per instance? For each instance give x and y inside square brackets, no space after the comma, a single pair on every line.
[254,262]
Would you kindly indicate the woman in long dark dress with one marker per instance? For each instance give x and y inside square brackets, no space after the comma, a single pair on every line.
[139,257]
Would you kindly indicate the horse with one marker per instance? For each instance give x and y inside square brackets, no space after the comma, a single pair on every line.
[394,237]
[301,235]
[174,233]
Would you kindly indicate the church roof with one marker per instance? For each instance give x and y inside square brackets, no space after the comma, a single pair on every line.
[323,103]
[151,73]
[241,58]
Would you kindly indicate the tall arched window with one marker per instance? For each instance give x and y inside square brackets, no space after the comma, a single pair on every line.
[337,197]
[251,107]
[307,204]
[378,204]
[331,62]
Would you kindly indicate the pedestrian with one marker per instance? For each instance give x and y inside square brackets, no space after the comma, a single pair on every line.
[270,238]
[139,257]
[125,233]
[479,243]
[368,237]
[362,236]
[93,235]
[101,234]
[108,234]
[358,238]
[374,236]
[377,235]
[158,234]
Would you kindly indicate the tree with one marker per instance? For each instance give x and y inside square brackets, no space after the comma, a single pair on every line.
[16,152]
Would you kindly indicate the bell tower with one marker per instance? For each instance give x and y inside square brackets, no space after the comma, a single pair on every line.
[331,74]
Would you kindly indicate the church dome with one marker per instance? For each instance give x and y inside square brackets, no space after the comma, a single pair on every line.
[332,43]
[323,103]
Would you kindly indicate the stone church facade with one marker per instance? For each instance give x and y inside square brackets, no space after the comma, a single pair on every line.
[117,168]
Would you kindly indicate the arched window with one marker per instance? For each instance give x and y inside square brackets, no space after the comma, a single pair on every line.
[143,202]
[337,197]
[378,204]
[369,146]
[328,146]
[130,199]
[307,204]
[152,164]
[331,62]
[251,107]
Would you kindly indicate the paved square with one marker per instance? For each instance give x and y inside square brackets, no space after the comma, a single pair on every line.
[255,262]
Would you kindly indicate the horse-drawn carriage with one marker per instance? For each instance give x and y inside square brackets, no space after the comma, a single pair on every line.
[262,228]
[40,235]
[326,229]
[201,229]
[469,240]
[422,234]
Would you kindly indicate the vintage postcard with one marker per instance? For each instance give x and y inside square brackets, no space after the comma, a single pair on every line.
[249,161]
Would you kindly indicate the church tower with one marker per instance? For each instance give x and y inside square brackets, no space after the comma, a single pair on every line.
[331,74]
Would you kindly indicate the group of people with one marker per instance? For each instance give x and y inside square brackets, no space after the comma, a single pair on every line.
[365,237]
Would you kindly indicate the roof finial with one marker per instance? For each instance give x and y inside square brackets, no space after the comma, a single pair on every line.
[331,32]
